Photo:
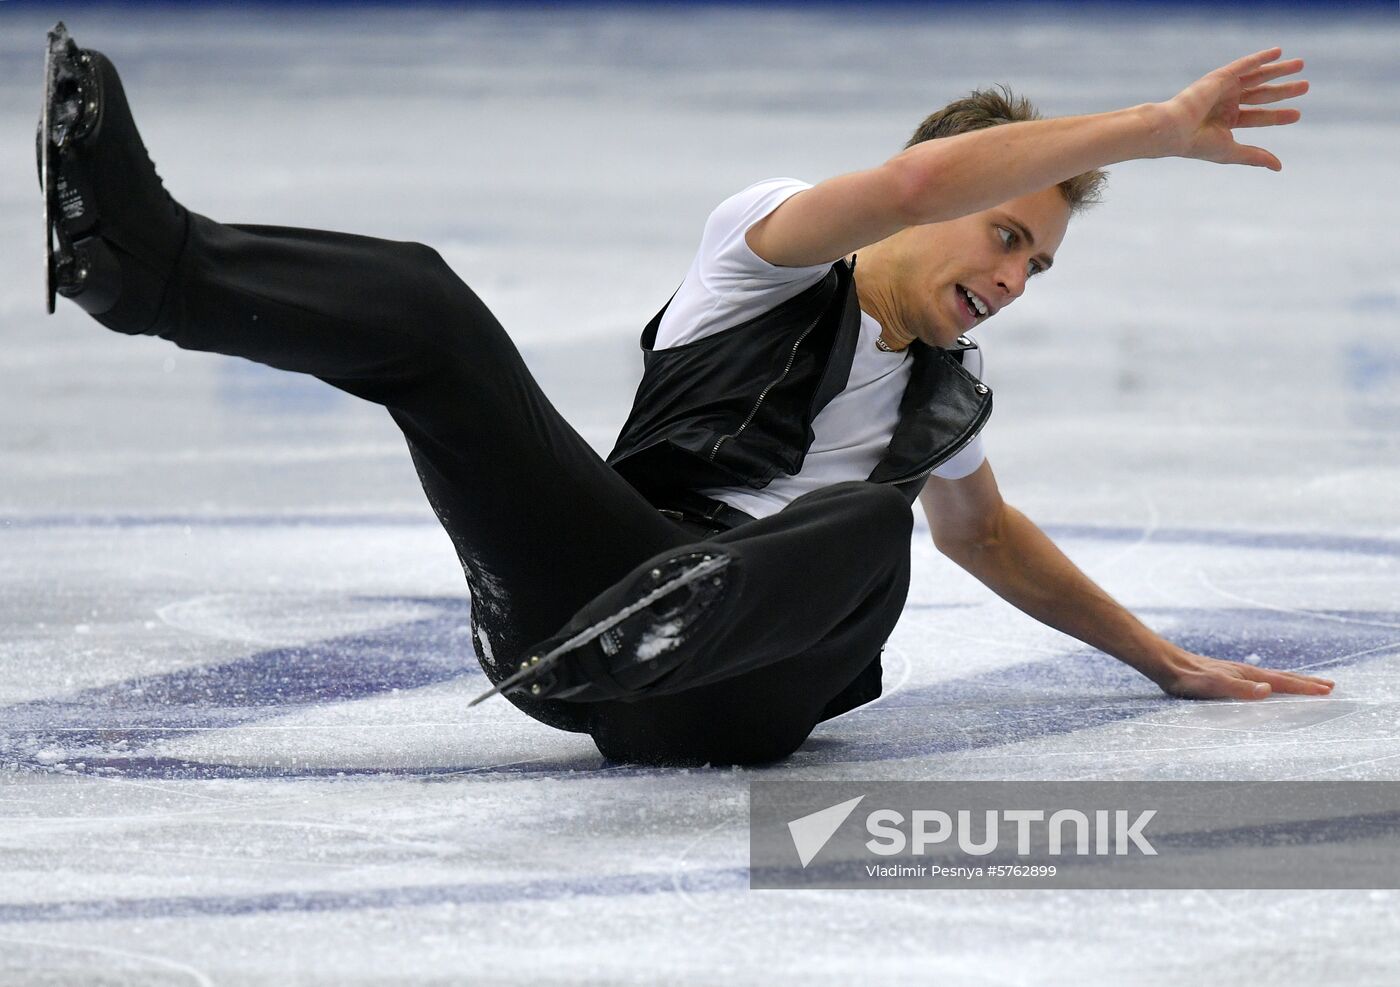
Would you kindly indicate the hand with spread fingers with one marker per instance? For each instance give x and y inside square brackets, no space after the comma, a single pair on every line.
[1206,113]
[1191,676]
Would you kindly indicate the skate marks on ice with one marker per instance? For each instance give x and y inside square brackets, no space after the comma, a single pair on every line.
[1310,602]
[295,692]
[113,729]
[289,619]
[407,896]
[1058,714]
[1069,696]
[142,962]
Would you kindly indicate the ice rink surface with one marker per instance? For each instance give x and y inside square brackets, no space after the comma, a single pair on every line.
[234,645]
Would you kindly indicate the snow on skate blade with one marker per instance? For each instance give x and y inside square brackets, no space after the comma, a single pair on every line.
[537,666]
[658,639]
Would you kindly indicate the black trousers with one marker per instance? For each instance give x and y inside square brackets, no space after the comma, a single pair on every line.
[540,522]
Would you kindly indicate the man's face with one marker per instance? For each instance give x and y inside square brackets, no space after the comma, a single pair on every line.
[990,254]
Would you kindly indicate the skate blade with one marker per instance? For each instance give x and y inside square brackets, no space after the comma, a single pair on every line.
[55,131]
[537,666]
[46,169]
[518,680]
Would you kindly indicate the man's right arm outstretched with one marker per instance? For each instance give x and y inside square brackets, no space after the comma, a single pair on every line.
[944,179]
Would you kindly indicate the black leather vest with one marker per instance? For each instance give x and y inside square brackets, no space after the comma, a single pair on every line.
[736,408]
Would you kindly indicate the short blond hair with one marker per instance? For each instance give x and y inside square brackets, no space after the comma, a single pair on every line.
[984,108]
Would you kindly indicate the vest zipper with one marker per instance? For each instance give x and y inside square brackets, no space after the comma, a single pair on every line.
[792,357]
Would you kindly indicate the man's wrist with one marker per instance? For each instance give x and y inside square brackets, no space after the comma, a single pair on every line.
[1147,652]
[1158,130]
[1158,661]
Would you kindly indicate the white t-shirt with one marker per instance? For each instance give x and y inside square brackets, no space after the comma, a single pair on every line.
[728,284]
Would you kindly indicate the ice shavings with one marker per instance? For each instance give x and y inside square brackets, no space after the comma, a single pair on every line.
[660,638]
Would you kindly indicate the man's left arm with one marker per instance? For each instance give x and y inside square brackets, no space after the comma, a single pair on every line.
[1004,549]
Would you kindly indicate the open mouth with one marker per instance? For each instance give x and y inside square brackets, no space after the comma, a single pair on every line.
[975,308]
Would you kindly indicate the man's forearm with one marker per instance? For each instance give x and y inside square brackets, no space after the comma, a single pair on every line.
[948,178]
[943,179]
[1024,567]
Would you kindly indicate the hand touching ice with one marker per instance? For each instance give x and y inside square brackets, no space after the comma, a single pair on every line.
[1191,676]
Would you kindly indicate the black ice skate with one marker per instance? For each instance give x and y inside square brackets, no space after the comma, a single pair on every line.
[112,232]
[630,637]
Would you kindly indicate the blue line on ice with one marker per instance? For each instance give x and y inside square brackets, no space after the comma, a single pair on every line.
[1343,829]
[1077,691]
[730,878]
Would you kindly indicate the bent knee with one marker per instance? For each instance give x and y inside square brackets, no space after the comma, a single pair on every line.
[446,315]
[883,504]
[426,279]
[892,506]
[422,257]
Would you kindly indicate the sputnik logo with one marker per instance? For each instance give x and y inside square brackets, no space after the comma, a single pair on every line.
[812,832]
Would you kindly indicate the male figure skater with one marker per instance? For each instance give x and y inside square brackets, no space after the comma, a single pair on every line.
[727,578]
